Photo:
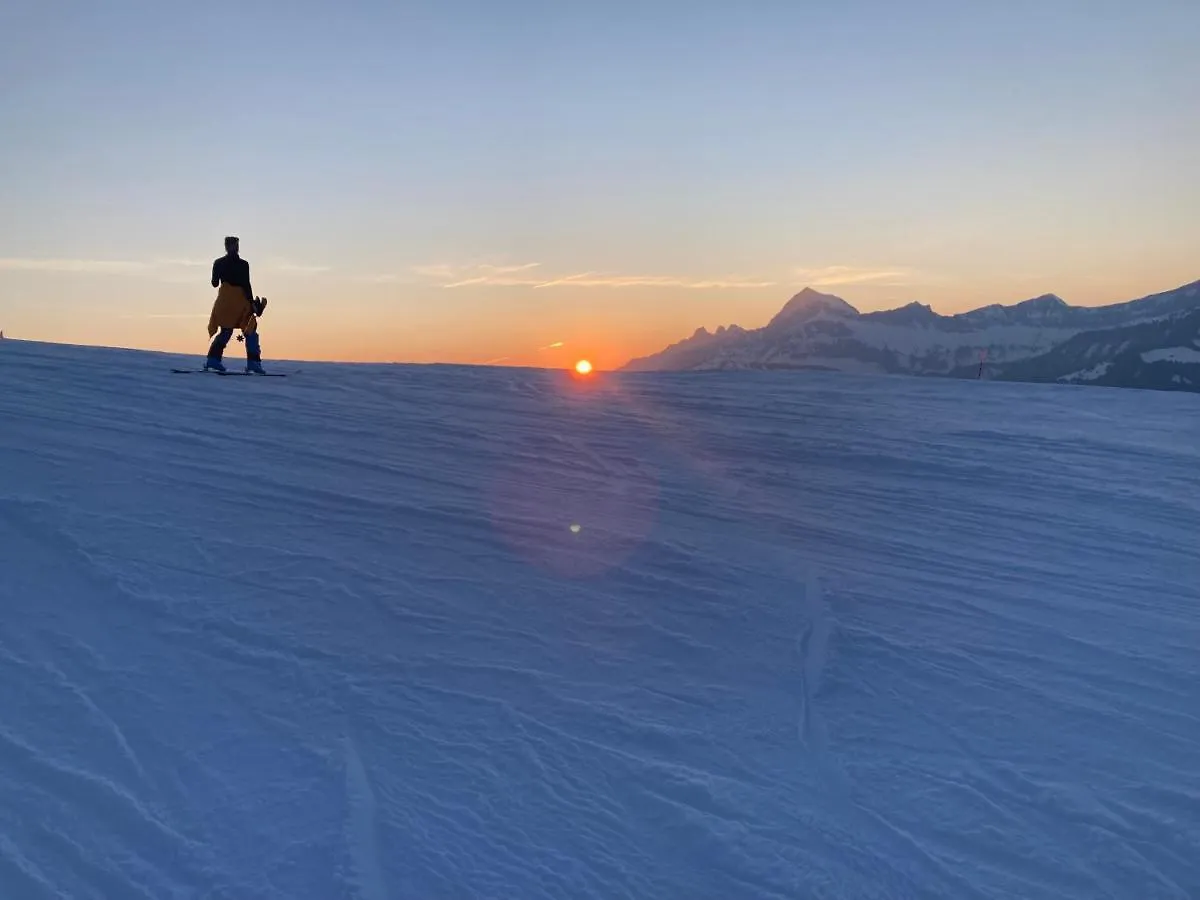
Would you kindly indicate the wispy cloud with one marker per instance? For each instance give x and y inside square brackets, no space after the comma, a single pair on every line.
[507,270]
[439,271]
[99,266]
[184,263]
[601,280]
[191,278]
[830,276]
[436,273]
[92,266]
[533,275]
[200,315]
[384,278]
[507,275]
[451,272]
[283,265]
[529,275]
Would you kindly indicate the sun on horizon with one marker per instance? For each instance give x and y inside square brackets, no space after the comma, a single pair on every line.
[583,367]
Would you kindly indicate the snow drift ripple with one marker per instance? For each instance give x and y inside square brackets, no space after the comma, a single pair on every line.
[821,636]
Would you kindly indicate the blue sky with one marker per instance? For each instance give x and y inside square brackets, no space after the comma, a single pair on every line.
[606,176]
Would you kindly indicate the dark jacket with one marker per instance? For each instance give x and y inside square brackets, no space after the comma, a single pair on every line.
[233,270]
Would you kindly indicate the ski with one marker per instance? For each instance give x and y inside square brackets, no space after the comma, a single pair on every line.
[215,372]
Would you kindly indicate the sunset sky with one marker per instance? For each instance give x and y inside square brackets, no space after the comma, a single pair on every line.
[531,183]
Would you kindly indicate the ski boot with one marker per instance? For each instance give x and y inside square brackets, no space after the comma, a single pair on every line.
[253,355]
[217,350]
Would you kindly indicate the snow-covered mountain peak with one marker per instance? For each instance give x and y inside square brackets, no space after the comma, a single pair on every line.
[1048,300]
[919,314]
[810,303]
[1044,302]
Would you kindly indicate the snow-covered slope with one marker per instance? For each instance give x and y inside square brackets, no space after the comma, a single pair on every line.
[820,331]
[398,632]
[1159,354]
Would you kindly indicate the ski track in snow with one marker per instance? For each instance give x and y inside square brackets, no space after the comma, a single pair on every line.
[814,635]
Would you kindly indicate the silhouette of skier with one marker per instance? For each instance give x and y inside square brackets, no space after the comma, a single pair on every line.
[235,307]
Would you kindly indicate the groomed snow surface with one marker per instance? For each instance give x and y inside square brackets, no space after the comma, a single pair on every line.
[813,635]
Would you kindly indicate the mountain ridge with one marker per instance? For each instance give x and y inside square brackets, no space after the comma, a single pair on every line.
[823,331]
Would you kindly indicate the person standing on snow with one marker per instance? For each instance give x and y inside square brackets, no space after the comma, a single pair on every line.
[235,307]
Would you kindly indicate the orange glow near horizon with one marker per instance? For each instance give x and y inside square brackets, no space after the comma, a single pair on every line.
[554,330]
[583,367]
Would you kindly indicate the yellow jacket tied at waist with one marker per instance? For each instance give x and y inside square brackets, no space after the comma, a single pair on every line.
[231,309]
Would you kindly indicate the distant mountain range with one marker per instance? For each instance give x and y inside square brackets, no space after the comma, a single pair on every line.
[1153,342]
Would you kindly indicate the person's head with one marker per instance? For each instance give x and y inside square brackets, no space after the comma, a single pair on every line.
[231,244]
